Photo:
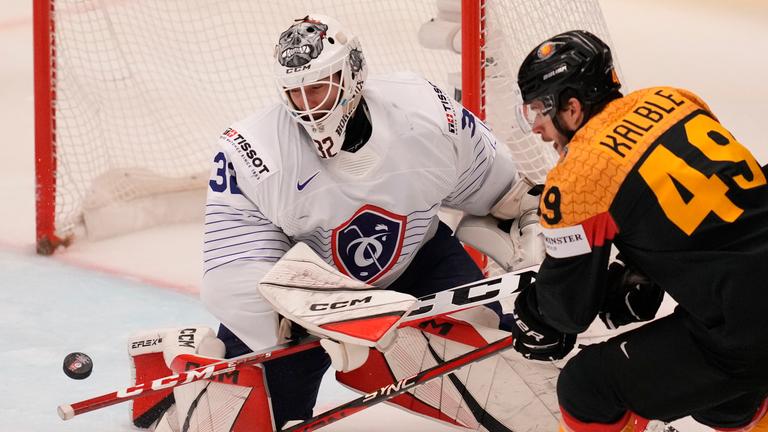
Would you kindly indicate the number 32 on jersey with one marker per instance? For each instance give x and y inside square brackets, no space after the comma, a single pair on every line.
[664,172]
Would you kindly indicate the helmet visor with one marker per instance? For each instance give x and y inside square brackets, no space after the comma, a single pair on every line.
[527,114]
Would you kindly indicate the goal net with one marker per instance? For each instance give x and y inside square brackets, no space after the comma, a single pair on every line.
[131,95]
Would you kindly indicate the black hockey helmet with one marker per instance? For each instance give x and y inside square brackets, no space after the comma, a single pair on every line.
[576,60]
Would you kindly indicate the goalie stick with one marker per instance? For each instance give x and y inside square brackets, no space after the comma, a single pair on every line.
[425,308]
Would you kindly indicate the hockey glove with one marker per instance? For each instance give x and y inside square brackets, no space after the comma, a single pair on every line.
[515,241]
[534,339]
[632,297]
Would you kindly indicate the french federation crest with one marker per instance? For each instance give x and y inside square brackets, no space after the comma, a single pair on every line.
[367,245]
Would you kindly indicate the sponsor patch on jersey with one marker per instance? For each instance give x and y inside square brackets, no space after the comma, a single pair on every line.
[259,164]
[367,245]
[566,242]
[450,112]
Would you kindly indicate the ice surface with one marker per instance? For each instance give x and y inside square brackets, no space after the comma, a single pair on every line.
[78,302]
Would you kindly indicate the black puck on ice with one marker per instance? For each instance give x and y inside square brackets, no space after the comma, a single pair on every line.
[78,365]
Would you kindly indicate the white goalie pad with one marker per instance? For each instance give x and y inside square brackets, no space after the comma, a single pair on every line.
[309,292]
[502,393]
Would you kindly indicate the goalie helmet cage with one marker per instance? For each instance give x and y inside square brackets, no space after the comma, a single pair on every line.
[130,96]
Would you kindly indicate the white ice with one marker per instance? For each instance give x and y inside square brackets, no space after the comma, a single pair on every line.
[82,300]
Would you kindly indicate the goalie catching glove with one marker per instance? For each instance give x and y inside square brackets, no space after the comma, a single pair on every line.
[632,296]
[511,235]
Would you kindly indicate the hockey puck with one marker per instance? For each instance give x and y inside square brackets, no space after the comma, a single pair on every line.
[78,365]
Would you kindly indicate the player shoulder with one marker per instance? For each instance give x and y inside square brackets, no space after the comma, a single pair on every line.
[575,208]
[251,143]
[418,98]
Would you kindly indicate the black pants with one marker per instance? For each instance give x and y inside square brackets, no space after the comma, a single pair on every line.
[294,381]
[660,372]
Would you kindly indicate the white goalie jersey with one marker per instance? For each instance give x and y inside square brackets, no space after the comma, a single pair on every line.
[366,213]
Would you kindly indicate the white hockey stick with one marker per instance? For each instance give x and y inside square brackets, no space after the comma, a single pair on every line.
[428,307]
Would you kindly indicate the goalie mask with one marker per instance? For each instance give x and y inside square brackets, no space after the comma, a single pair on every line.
[320,72]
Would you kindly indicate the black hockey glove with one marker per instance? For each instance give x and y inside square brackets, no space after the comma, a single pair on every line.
[632,297]
[535,339]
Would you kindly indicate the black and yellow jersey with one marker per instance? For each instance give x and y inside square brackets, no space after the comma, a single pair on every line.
[657,175]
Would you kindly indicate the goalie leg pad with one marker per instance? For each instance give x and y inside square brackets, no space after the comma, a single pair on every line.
[236,402]
[146,410]
[145,352]
[488,395]
[150,353]
[293,381]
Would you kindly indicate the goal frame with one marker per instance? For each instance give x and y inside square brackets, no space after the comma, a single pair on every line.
[44,64]
[44,43]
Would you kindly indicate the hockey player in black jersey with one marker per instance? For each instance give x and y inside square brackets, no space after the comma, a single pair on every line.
[656,175]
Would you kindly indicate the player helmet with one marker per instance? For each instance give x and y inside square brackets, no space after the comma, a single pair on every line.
[317,51]
[576,60]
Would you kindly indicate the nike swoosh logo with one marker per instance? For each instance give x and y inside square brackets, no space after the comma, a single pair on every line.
[300,186]
[623,347]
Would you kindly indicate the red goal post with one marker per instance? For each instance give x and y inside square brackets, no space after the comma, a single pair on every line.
[130,96]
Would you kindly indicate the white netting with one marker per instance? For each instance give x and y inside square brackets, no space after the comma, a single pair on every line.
[143,88]
[513,31]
